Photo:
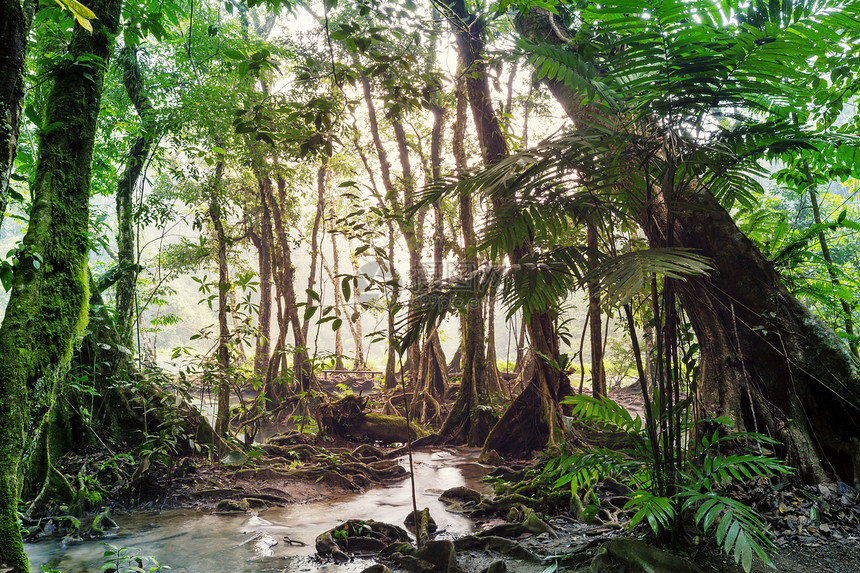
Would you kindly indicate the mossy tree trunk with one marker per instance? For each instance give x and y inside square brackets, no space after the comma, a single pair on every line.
[222,415]
[48,303]
[137,157]
[15,18]
[262,346]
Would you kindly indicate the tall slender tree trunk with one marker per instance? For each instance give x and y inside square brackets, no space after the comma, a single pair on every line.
[393,296]
[262,346]
[494,379]
[825,253]
[339,305]
[48,304]
[355,318]
[467,421]
[598,374]
[15,18]
[322,177]
[128,181]
[530,421]
[222,415]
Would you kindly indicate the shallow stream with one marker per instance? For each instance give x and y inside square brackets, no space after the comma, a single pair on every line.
[194,541]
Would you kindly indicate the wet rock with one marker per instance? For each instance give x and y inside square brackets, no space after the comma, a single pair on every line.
[508,474]
[460,494]
[400,547]
[256,503]
[491,458]
[368,453]
[416,517]
[232,506]
[412,564]
[636,557]
[327,547]
[500,544]
[441,553]
[378,568]
[506,502]
[531,523]
[358,536]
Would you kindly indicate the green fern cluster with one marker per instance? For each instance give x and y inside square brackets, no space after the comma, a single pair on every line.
[701,485]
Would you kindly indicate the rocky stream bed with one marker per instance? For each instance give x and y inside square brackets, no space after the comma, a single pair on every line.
[303,506]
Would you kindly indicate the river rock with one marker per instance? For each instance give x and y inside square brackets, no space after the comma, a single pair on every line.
[378,568]
[412,564]
[326,547]
[504,546]
[637,557]
[508,474]
[231,506]
[440,553]
[368,453]
[460,494]
[491,458]
[409,522]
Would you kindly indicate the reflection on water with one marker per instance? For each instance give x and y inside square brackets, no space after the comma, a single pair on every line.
[193,541]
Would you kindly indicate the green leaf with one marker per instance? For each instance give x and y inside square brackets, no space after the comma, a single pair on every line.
[346,288]
[233,54]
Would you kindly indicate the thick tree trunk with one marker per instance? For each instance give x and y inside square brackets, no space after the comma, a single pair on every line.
[432,382]
[137,157]
[47,309]
[302,367]
[767,361]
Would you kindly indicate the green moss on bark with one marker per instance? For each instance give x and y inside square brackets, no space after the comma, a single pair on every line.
[47,309]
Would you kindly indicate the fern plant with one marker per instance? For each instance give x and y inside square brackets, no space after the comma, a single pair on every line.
[700,485]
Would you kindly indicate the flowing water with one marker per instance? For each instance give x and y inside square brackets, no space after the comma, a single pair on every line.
[197,542]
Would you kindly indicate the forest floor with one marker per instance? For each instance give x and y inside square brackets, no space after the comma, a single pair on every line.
[815,528]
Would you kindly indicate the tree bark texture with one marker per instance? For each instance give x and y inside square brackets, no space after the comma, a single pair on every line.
[48,303]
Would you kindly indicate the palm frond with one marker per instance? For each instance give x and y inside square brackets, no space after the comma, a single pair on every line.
[623,276]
